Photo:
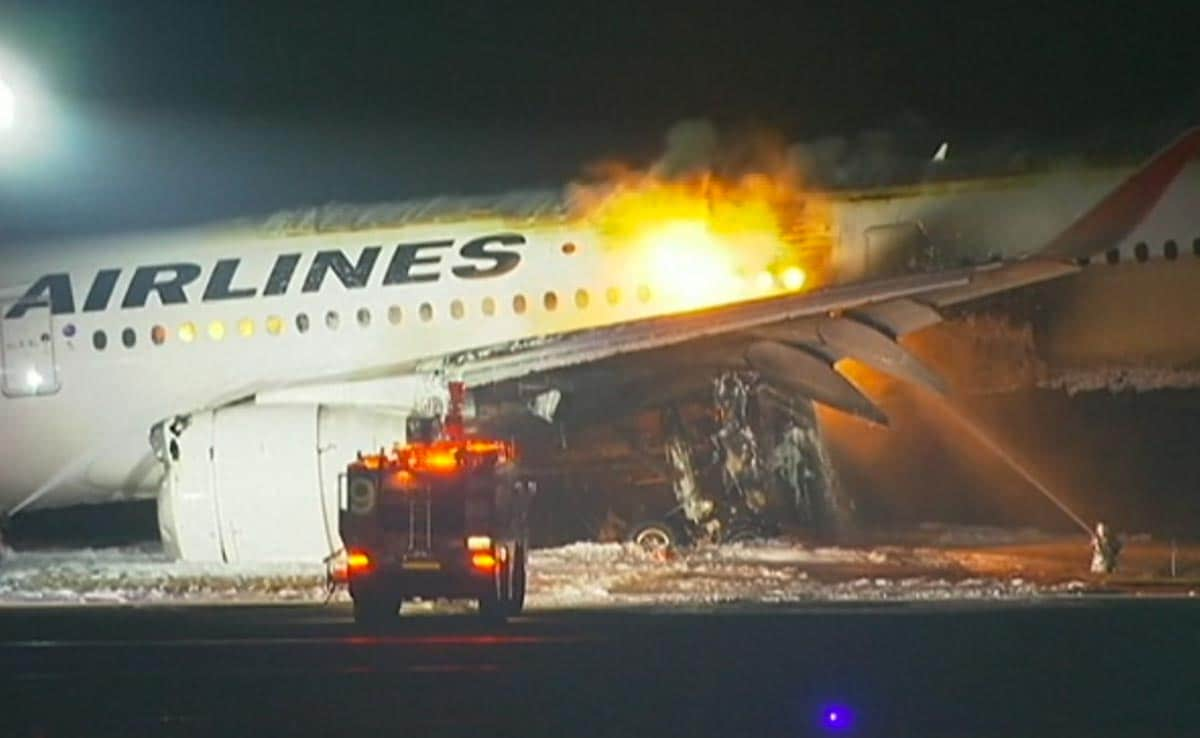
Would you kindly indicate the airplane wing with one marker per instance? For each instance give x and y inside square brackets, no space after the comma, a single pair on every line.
[794,341]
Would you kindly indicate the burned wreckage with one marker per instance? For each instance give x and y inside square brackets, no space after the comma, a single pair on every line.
[761,467]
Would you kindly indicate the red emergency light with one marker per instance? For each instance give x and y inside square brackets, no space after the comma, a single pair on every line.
[358,562]
[483,561]
[445,457]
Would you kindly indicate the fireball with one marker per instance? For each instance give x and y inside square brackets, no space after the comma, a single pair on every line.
[704,242]
[687,263]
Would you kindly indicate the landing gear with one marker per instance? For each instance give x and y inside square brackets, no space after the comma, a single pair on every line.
[654,536]
[721,494]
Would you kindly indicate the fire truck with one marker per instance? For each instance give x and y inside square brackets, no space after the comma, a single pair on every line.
[442,516]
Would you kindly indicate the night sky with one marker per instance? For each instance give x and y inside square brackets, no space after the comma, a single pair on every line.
[169,113]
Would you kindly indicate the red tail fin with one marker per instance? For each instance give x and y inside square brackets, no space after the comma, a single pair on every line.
[1114,217]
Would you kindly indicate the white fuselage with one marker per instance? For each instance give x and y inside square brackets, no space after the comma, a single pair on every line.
[81,435]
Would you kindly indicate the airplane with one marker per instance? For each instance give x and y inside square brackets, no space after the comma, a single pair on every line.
[231,371]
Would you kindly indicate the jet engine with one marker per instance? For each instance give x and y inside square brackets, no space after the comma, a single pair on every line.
[259,483]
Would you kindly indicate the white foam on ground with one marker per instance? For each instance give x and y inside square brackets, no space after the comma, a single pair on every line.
[145,575]
[600,575]
[573,576]
[1122,379]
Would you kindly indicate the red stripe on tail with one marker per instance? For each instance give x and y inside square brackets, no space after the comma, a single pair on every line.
[1114,217]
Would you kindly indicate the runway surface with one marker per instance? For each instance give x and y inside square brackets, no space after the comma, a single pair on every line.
[1096,666]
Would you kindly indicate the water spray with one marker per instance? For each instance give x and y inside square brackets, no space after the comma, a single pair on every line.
[1016,466]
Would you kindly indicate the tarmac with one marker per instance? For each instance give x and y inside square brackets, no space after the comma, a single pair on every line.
[1095,665]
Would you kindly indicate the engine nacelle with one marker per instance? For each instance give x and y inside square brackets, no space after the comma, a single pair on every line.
[259,483]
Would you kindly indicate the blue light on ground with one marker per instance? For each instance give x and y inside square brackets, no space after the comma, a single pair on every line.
[837,718]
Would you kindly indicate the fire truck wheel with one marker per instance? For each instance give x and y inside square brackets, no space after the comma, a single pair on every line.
[516,599]
[497,604]
[374,611]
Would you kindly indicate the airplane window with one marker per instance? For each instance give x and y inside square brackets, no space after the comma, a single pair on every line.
[274,325]
[363,317]
[216,330]
[128,337]
[550,300]
[246,327]
[1171,250]
[332,320]
[613,295]
[644,293]
[489,306]
[457,310]
[581,299]
[568,248]
[302,323]
[187,332]
[1112,256]
[519,304]
[158,335]
[100,340]
[1141,252]
[395,315]
[426,312]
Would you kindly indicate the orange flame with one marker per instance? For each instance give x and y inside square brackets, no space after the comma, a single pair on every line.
[705,240]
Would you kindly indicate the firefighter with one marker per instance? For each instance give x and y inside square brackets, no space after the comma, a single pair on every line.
[1106,546]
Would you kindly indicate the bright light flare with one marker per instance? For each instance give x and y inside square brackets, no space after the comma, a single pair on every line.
[483,561]
[706,241]
[358,562]
[837,718]
[33,378]
[793,278]
[29,125]
[440,460]
[8,106]
[688,264]
[479,543]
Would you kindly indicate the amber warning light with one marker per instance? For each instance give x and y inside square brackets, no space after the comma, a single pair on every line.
[483,561]
[357,562]
[439,457]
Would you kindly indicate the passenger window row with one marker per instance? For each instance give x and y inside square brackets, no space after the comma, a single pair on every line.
[274,324]
[1141,252]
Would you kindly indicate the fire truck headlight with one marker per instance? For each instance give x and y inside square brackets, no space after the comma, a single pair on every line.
[362,495]
[479,543]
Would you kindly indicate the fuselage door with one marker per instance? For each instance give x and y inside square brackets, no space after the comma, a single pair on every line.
[27,354]
[894,249]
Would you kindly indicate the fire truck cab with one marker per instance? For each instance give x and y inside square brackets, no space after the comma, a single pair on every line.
[444,518]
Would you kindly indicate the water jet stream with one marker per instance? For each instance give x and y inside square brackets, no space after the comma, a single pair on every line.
[986,440]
